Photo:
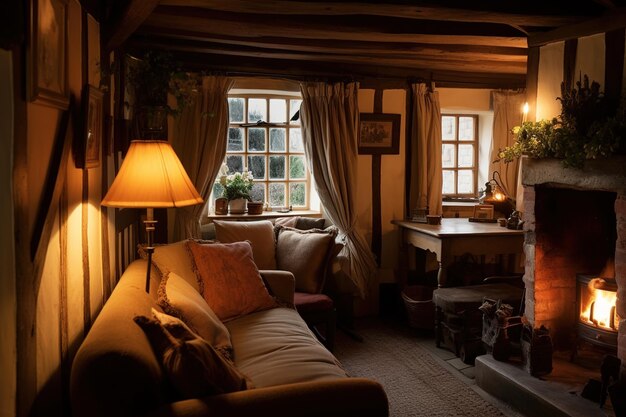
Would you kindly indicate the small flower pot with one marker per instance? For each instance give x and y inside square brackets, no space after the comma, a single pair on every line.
[237,206]
[255,207]
[221,205]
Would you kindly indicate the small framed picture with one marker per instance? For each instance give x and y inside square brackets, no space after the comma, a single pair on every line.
[379,134]
[483,211]
[88,150]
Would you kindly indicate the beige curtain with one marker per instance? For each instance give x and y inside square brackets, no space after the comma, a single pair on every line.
[507,113]
[200,135]
[330,119]
[426,176]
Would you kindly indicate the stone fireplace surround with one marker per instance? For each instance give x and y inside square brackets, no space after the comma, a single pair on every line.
[575,222]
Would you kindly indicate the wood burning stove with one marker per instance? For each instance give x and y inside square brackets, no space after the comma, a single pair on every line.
[597,319]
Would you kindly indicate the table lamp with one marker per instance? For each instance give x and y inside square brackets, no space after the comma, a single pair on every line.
[151,176]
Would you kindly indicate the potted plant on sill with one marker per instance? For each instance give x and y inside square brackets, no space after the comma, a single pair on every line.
[590,126]
[237,189]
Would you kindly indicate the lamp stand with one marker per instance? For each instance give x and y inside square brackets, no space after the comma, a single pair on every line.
[150,226]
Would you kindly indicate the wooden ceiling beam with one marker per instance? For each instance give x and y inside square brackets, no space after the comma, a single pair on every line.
[301,70]
[148,33]
[378,9]
[615,20]
[472,64]
[208,24]
[120,29]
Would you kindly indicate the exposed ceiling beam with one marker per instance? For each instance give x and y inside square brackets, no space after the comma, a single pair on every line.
[210,24]
[374,9]
[120,29]
[147,34]
[468,63]
[615,20]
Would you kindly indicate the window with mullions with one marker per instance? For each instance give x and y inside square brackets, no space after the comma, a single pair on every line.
[459,138]
[263,139]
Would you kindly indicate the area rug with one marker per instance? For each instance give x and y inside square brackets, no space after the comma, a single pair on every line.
[416,383]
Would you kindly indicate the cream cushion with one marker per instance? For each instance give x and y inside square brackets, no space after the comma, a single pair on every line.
[174,257]
[178,298]
[275,347]
[260,234]
[306,255]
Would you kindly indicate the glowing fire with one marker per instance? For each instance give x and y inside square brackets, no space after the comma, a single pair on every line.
[600,310]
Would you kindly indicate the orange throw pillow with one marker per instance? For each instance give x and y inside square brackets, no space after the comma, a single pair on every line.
[233,286]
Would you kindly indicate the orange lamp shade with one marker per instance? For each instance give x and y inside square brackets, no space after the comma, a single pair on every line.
[151,176]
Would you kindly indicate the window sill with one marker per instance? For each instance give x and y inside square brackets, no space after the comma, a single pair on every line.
[459,203]
[264,216]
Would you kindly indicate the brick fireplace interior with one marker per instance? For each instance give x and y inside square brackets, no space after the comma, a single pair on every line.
[575,224]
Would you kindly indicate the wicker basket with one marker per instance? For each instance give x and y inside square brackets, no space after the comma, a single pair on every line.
[418,302]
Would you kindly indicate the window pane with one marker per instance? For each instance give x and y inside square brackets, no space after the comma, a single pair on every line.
[466,156]
[236,110]
[297,194]
[235,163]
[258,192]
[277,167]
[295,140]
[294,106]
[466,128]
[256,110]
[448,128]
[256,139]
[256,164]
[277,140]
[297,167]
[448,182]
[277,195]
[278,110]
[235,140]
[466,181]
[447,156]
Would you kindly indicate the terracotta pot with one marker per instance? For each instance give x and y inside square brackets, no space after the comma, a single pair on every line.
[255,207]
[237,206]
[221,205]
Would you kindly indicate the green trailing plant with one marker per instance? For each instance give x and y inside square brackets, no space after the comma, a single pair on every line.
[590,126]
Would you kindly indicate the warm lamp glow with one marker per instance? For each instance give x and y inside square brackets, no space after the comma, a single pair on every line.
[525,112]
[151,176]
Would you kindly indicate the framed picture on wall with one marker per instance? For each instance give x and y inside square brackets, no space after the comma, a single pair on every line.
[47,61]
[88,148]
[379,134]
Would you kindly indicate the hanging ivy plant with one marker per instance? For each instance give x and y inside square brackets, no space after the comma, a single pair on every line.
[589,127]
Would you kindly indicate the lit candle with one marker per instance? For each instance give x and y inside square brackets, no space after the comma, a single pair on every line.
[524,112]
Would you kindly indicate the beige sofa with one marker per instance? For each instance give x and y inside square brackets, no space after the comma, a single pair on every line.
[115,372]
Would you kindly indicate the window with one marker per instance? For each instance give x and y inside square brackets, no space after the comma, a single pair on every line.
[459,138]
[263,139]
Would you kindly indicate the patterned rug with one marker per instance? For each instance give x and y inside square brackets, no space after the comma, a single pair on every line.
[416,383]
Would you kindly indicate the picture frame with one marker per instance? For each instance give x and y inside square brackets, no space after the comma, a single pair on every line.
[379,134]
[88,149]
[47,60]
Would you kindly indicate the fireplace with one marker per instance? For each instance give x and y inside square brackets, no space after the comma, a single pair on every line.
[597,317]
[575,223]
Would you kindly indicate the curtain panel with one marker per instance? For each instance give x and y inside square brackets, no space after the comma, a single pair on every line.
[507,113]
[200,136]
[425,181]
[330,119]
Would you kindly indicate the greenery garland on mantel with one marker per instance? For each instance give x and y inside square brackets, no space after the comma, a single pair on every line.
[590,126]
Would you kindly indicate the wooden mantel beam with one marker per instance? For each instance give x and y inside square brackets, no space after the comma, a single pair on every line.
[374,9]
[120,29]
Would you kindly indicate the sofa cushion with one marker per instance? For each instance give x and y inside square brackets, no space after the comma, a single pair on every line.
[174,257]
[260,234]
[232,284]
[191,364]
[180,299]
[305,254]
[308,223]
[275,347]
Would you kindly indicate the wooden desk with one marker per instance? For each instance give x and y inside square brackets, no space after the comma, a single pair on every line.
[454,237]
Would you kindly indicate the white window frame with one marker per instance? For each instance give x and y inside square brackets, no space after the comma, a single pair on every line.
[456,142]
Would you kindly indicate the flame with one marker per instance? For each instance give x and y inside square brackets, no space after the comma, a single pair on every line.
[600,310]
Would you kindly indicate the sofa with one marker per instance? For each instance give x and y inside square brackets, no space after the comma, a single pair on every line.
[116,371]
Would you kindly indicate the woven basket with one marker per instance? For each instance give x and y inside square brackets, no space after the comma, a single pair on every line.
[418,302]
